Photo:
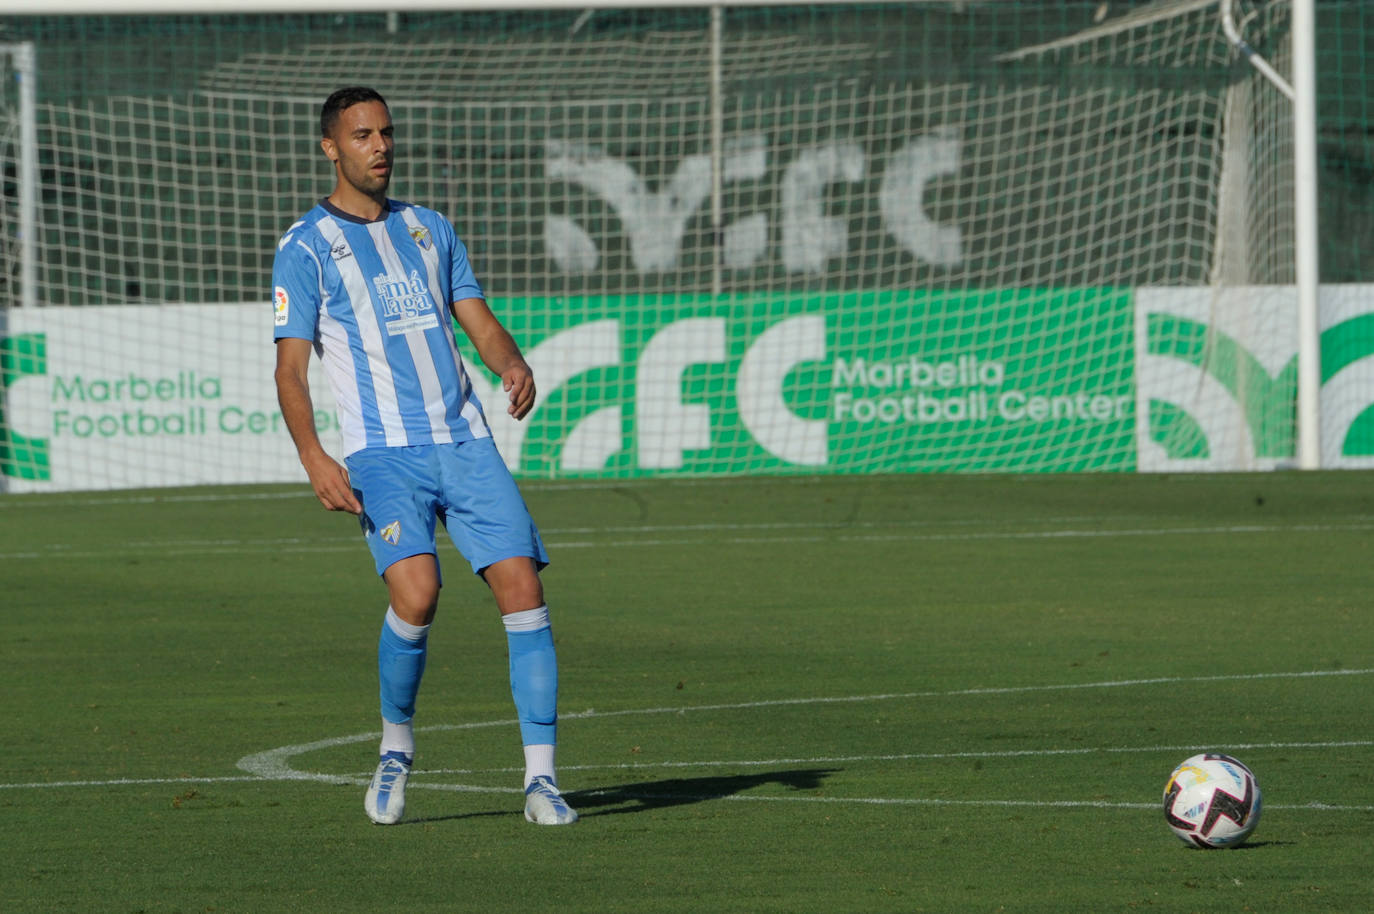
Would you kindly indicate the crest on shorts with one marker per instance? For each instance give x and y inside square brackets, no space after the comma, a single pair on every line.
[392,532]
[421,236]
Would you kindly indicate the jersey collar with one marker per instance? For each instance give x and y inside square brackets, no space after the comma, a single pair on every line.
[387,209]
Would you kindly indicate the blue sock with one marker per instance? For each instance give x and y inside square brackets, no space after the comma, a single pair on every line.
[533,674]
[400,665]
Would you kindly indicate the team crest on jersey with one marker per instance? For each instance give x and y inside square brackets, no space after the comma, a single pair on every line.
[281,306]
[392,532]
[421,236]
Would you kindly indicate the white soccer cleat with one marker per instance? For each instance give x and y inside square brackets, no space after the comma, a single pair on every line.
[385,801]
[544,805]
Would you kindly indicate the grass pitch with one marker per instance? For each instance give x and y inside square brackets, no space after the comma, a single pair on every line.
[855,694]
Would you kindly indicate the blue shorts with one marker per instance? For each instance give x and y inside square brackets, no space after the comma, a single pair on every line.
[465,486]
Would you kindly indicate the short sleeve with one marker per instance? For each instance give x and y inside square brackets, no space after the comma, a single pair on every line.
[462,281]
[295,287]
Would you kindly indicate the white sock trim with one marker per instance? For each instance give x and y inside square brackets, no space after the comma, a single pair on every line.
[403,628]
[528,620]
[398,738]
[539,761]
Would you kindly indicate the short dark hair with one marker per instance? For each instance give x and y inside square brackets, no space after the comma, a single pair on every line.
[342,99]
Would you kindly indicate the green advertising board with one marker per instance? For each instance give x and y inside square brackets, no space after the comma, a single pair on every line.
[891,381]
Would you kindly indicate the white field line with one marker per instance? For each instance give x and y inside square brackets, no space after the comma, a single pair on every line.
[284,545]
[274,764]
[76,500]
[935,801]
[28,502]
[899,757]
[276,543]
[419,783]
[912,756]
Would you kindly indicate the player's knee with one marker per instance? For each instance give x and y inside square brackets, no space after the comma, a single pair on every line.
[518,596]
[413,586]
[515,584]
[417,609]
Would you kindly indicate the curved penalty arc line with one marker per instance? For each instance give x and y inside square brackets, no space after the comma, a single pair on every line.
[275,764]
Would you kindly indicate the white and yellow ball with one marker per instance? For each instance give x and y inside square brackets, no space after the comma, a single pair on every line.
[1211,801]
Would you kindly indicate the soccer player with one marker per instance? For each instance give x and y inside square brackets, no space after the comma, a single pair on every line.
[367,281]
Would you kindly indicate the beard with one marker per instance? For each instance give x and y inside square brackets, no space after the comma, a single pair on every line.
[367,181]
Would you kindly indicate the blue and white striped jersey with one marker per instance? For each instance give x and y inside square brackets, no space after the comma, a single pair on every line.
[374,299]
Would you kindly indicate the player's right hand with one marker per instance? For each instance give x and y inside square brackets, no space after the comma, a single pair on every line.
[330,481]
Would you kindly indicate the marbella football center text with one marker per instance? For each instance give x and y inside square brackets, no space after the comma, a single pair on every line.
[962,389]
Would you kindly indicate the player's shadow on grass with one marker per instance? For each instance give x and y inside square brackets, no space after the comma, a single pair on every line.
[647,795]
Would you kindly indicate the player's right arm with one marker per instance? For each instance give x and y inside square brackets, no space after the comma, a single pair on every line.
[296,300]
[328,477]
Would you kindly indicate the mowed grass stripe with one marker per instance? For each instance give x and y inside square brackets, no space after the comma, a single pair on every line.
[279,545]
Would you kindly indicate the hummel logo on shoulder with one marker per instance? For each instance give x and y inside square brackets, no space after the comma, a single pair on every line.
[340,251]
[290,233]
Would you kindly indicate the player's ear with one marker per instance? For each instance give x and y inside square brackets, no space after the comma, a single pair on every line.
[331,151]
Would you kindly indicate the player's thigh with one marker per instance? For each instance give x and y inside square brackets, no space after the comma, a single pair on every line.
[398,489]
[483,510]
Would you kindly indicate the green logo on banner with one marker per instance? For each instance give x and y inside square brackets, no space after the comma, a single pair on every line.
[1267,402]
[21,355]
[1345,382]
[1219,372]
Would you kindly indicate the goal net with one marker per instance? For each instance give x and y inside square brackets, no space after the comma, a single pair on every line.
[928,237]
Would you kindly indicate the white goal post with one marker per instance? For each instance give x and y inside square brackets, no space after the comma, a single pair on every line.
[1302,91]
[21,64]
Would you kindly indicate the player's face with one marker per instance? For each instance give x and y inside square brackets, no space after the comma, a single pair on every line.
[363,147]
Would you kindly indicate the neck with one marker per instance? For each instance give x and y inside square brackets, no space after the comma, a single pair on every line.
[356,203]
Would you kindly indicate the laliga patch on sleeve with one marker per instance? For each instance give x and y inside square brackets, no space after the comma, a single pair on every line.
[281,305]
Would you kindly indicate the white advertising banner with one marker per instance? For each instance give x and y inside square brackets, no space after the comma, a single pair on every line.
[1216,378]
[170,395]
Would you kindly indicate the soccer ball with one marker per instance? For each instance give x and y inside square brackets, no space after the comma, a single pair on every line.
[1212,801]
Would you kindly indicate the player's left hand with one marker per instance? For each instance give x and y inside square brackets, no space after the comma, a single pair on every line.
[518,382]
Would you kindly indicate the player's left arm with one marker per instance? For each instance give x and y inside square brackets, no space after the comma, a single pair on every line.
[498,352]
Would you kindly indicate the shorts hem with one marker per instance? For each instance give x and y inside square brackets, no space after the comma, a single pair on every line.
[381,570]
[540,562]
